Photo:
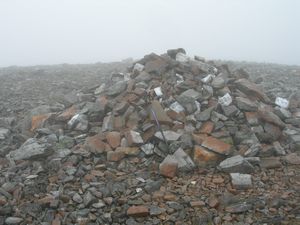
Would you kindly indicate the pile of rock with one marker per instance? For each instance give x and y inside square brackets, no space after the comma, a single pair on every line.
[168,116]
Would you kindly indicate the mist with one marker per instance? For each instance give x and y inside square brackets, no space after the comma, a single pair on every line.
[80,31]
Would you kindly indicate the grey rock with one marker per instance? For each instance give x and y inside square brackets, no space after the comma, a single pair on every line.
[176,107]
[65,142]
[138,67]
[78,122]
[253,150]
[236,164]
[143,76]
[100,204]
[186,141]
[152,186]
[169,135]
[279,150]
[188,103]
[100,89]
[295,138]
[185,163]
[245,104]
[95,111]
[282,113]
[148,149]
[117,88]
[203,67]
[218,82]
[191,93]
[241,181]
[173,52]
[253,160]
[239,207]
[107,123]
[270,163]
[293,121]
[182,57]
[77,198]
[13,220]
[89,199]
[204,115]
[230,110]
[4,133]
[31,149]
[155,210]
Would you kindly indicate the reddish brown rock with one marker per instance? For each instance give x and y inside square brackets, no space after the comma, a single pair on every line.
[270,117]
[161,115]
[207,127]
[202,156]
[179,116]
[197,204]
[251,90]
[56,222]
[199,138]
[216,145]
[67,114]
[115,156]
[213,202]
[133,138]
[138,211]
[252,118]
[95,144]
[113,138]
[168,167]
[38,121]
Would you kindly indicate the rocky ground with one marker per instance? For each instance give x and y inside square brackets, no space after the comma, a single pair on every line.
[170,140]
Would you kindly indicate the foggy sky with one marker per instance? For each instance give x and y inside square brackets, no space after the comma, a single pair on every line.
[86,31]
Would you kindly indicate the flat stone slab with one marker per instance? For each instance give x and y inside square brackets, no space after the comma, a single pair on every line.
[236,164]
[241,181]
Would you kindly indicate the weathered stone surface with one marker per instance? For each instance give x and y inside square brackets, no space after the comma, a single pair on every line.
[251,89]
[117,88]
[138,211]
[156,66]
[95,144]
[293,159]
[216,145]
[218,82]
[241,181]
[38,121]
[113,138]
[115,156]
[203,157]
[204,115]
[239,207]
[236,164]
[4,133]
[13,220]
[169,135]
[270,117]
[31,149]
[185,163]
[78,122]
[133,138]
[270,163]
[191,93]
[188,103]
[148,149]
[245,104]
[160,114]
[168,167]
